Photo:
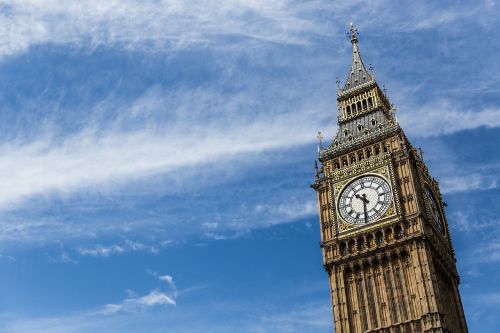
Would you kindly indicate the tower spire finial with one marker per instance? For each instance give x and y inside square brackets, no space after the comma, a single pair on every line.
[358,74]
[353,33]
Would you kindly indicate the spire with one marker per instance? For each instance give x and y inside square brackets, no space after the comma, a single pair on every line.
[358,73]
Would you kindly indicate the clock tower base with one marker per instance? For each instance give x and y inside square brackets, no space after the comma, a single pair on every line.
[393,285]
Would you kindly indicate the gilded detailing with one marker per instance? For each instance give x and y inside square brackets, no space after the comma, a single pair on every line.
[394,270]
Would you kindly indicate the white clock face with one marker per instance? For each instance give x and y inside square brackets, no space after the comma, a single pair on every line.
[434,208]
[365,200]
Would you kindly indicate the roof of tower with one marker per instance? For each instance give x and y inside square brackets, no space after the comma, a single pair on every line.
[358,75]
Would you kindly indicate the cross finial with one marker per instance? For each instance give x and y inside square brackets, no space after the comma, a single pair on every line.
[320,144]
[353,33]
[320,138]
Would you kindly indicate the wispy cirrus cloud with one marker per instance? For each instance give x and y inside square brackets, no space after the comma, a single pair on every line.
[308,316]
[111,155]
[445,117]
[139,303]
[150,25]
[117,249]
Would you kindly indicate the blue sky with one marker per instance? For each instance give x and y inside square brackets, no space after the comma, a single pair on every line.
[156,156]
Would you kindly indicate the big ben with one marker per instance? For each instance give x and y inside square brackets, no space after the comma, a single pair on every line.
[384,234]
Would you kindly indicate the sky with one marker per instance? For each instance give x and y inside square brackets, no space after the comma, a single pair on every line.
[156,156]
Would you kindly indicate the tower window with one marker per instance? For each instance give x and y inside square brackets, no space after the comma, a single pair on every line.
[343,249]
[360,127]
[348,109]
[353,158]
[359,106]
[388,234]
[353,107]
[350,247]
[369,240]
[360,155]
[344,161]
[374,122]
[370,102]
[361,243]
[398,232]
[377,149]
[368,152]
[379,237]
[364,104]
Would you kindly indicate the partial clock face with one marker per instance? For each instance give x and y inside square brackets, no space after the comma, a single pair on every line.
[364,200]
[435,210]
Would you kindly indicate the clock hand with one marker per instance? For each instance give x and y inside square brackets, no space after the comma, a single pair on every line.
[364,208]
[363,198]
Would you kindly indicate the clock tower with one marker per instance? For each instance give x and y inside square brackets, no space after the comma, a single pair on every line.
[384,235]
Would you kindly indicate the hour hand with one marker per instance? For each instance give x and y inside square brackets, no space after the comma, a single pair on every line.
[362,198]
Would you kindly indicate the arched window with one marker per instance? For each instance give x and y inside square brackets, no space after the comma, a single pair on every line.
[359,106]
[360,243]
[370,102]
[388,234]
[379,237]
[350,246]
[369,240]
[398,232]
[348,110]
[377,150]
[352,158]
[344,161]
[368,152]
[343,249]
[364,104]
[360,155]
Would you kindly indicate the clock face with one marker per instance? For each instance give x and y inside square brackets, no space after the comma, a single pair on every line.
[435,210]
[364,200]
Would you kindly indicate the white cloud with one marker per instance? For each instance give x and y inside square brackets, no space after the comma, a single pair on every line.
[154,298]
[111,155]
[469,182]
[134,304]
[101,251]
[284,212]
[147,24]
[173,24]
[168,279]
[117,249]
[467,221]
[445,117]
[305,317]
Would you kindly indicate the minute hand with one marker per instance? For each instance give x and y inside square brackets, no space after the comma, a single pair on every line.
[365,202]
